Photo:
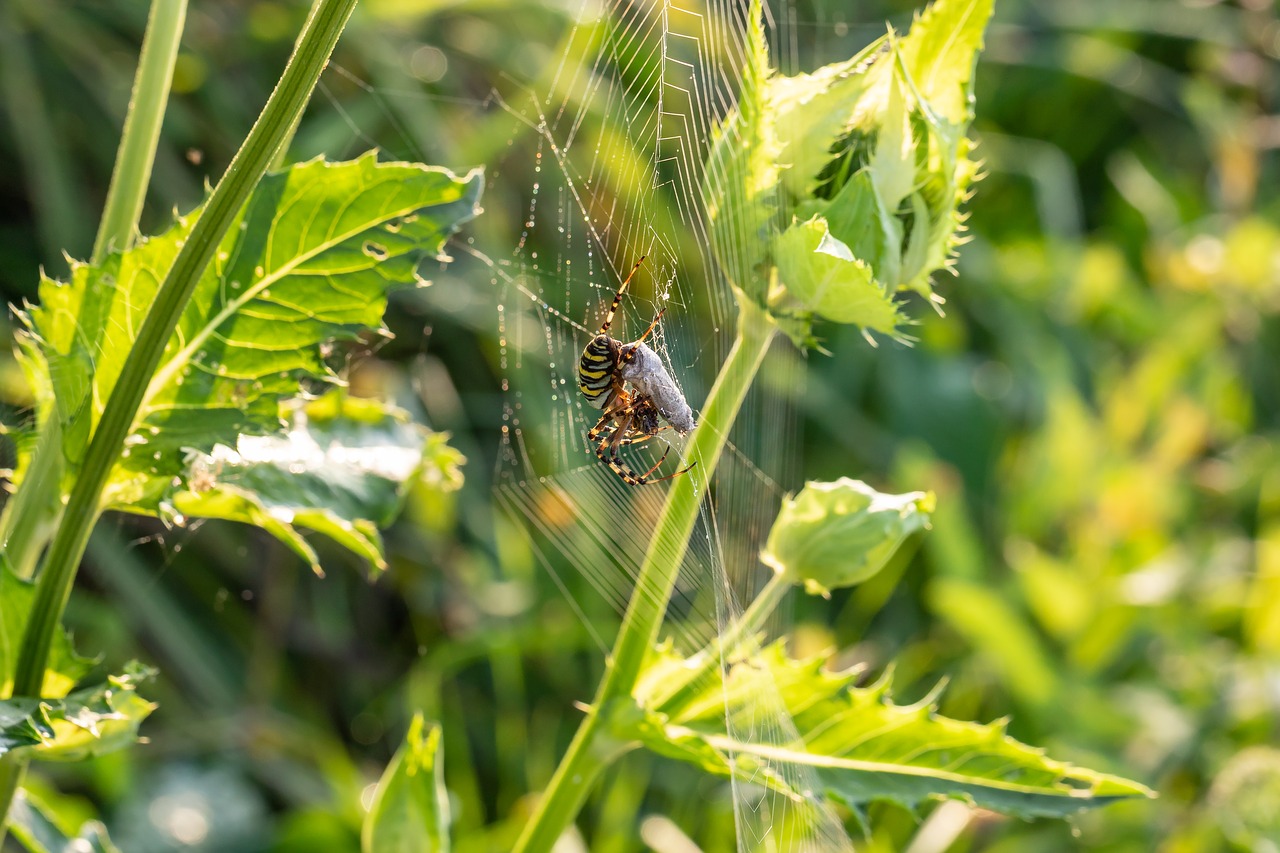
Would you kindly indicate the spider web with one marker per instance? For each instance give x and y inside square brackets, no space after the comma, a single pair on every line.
[603,155]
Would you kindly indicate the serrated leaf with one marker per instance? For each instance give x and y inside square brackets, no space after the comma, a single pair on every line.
[316,250]
[87,722]
[893,162]
[860,745]
[65,667]
[342,469]
[823,277]
[877,144]
[739,190]
[936,60]
[940,52]
[36,829]
[814,112]
[410,811]
[834,535]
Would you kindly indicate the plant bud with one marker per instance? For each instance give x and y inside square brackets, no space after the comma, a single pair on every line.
[834,535]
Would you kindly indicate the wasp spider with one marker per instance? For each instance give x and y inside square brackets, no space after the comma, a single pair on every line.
[628,383]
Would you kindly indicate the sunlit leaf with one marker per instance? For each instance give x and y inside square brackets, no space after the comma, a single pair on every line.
[826,279]
[742,170]
[316,250]
[833,535]
[87,722]
[874,148]
[65,667]
[410,811]
[860,745]
[342,469]
[940,51]
[35,827]
[814,113]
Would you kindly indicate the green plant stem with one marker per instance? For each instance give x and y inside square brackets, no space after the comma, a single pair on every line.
[289,98]
[141,134]
[745,628]
[591,748]
[31,515]
[657,577]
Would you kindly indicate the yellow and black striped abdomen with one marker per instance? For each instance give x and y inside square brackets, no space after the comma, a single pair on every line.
[596,369]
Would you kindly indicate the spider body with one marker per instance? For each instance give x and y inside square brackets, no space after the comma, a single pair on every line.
[634,414]
[597,370]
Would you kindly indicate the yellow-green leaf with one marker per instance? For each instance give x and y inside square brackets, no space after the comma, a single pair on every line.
[824,278]
[410,811]
[834,535]
[858,745]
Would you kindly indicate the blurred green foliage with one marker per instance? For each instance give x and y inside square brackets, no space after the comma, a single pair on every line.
[1098,413]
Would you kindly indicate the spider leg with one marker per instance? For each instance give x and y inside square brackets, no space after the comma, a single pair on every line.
[610,413]
[652,326]
[617,297]
[628,474]
[646,436]
[613,459]
[656,465]
[615,430]
[629,351]
[686,469]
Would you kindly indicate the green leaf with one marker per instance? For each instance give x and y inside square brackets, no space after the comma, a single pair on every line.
[860,746]
[874,234]
[65,666]
[410,811]
[814,113]
[940,53]
[316,250]
[833,535]
[742,171]
[87,722]
[342,469]
[825,278]
[936,60]
[877,144]
[35,827]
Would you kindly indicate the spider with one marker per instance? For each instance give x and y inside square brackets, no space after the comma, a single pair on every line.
[630,416]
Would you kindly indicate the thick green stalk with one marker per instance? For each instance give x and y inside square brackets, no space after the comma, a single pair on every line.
[682,689]
[141,134]
[574,778]
[311,53]
[591,748]
[31,515]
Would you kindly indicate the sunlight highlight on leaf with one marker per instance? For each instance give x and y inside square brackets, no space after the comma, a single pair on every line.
[342,469]
[88,722]
[296,274]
